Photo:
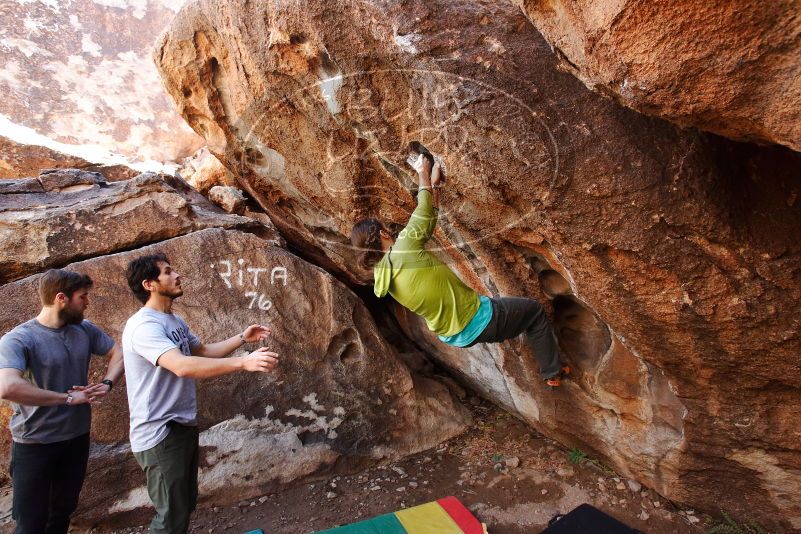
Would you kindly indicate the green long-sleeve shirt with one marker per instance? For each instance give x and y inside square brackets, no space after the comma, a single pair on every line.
[419,281]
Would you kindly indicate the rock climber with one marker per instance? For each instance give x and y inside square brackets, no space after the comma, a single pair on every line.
[422,283]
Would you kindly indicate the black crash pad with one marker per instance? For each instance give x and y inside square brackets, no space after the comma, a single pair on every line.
[587,519]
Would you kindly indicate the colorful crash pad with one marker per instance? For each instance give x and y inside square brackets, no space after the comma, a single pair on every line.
[445,516]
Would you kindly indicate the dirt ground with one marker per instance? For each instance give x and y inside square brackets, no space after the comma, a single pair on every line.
[513,479]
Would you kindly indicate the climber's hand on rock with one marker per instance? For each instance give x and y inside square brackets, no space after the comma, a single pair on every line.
[423,166]
[436,175]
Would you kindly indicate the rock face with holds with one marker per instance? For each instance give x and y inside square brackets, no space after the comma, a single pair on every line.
[342,398]
[669,256]
[727,67]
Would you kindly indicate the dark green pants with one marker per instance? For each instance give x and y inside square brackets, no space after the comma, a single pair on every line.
[171,471]
[512,316]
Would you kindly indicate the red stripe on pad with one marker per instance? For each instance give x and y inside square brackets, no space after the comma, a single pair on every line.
[461,515]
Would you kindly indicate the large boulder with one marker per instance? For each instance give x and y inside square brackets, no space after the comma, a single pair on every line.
[69,214]
[733,68]
[342,397]
[670,257]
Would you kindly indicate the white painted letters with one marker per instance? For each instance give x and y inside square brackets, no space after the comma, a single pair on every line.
[226,276]
[251,282]
[255,271]
[278,272]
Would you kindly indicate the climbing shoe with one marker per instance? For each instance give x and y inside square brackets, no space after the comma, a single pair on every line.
[556,381]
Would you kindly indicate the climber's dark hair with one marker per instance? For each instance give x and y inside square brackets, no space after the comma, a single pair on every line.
[366,237]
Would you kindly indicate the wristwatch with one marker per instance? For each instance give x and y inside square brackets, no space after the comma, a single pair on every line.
[69,399]
[108,382]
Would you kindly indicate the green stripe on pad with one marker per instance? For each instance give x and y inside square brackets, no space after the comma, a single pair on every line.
[383,524]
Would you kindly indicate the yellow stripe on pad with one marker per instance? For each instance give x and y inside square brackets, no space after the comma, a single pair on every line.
[427,518]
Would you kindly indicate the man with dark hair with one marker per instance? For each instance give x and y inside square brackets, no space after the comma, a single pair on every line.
[44,366]
[162,359]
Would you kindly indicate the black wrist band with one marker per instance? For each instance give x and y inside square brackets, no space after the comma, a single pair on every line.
[108,382]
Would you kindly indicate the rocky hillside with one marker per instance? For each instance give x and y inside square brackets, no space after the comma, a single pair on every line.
[19,160]
[79,75]
[669,257]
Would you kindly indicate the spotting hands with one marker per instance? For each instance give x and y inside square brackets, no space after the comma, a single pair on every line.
[261,360]
[91,394]
[256,332]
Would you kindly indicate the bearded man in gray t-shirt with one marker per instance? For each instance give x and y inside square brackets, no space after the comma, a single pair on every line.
[162,360]
[44,366]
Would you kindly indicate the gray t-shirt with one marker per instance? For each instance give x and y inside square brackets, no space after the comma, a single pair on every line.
[54,359]
[156,395]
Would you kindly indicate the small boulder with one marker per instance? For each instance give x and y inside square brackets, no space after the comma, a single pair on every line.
[64,180]
[228,198]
